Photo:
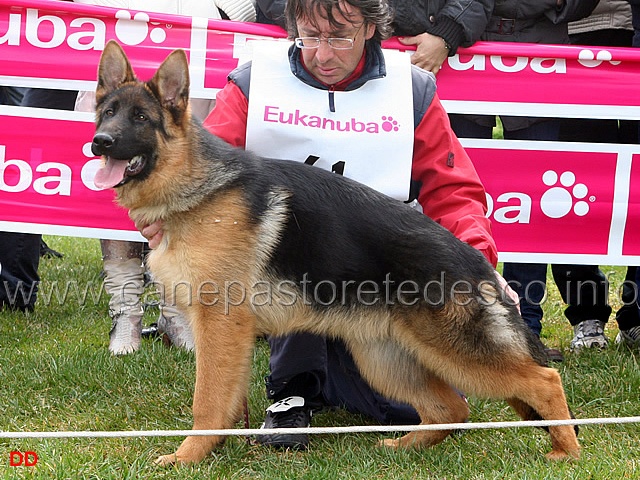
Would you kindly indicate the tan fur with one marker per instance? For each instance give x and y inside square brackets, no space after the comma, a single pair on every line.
[211,242]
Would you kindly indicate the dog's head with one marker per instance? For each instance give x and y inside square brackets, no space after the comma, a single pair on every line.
[134,119]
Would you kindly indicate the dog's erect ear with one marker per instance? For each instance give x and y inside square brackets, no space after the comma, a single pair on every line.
[114,70]
[170,84]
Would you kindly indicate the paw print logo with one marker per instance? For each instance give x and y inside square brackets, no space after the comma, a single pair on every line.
[561,199]
[133,31]
[588,58]
[388,124]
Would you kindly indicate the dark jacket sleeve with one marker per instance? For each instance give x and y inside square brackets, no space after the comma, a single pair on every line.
[271,12]
[572,10]
[459,22]
[462,23]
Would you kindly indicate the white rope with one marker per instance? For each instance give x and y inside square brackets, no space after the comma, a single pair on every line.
[319,430]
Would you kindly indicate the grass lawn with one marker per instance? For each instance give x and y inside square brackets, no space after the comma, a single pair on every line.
[56,374]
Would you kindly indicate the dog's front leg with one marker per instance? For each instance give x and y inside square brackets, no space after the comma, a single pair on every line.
[223,346]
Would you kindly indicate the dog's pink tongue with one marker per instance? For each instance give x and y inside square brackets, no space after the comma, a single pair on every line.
[110,174]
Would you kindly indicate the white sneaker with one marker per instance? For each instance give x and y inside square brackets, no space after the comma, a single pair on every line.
[175,328]
[588,334]
[631,337]
[125,334]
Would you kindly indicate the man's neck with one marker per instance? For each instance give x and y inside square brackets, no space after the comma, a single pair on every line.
[342,84]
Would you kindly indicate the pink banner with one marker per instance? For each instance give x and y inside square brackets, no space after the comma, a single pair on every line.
[549,202]
[46,185]
[36,38]
[558,211]
[631,246]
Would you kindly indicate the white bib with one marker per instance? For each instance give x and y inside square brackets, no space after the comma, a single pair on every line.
[369,137]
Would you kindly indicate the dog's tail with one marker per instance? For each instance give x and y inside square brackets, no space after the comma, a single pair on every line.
[499,305]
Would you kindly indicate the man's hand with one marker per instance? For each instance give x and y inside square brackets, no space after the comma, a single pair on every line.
[431,51]
[512,296]
[152,232]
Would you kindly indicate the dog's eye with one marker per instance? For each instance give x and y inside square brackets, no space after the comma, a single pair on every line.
[109,112]
[141,117]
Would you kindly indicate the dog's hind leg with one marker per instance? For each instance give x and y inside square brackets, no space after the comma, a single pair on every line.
[223,346]
[538,394]
[395,373]
[528,413]
[438,403]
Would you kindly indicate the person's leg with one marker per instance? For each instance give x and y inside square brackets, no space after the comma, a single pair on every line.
[585,290]
[467,128]
[11,95]
[124,282]
[628,316]
[49,98]
[589,130]
[529,281]
[548,129]
[174,326]
[298,366]
[345,388]
[19,261]
[635,19]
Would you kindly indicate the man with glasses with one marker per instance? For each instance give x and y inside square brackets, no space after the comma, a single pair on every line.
[335,99]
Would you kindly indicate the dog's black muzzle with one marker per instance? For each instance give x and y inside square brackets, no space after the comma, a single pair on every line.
[102,144]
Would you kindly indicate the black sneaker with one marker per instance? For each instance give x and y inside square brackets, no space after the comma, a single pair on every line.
[151,331]
[290,412]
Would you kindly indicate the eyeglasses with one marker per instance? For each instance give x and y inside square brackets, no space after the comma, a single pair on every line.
[334,42]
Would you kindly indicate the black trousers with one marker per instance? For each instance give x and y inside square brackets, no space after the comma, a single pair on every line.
[19,260]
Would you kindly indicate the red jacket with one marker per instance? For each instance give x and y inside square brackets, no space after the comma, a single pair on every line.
[450,190]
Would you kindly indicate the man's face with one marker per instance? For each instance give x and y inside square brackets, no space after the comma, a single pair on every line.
[327,64]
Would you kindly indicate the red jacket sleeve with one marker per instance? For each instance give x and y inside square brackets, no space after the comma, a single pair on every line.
[228,119]
[452,193]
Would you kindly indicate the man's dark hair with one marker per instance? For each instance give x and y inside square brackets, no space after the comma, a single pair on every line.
[375,12]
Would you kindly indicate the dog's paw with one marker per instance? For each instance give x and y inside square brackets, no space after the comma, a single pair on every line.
[390,443]
[561,455]
[166,460]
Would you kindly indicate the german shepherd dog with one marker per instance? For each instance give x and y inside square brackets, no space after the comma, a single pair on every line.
[277,247]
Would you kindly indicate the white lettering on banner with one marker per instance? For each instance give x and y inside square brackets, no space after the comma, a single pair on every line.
[33,25]
[63,180]
[50,184]
[562,197]
[590,59]
[520,213]
[78,41]
[90,168]
[537,65]
[12,37]
[24,178]
[50,31]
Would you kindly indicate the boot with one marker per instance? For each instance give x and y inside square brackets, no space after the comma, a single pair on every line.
[175,328]
[124,282]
